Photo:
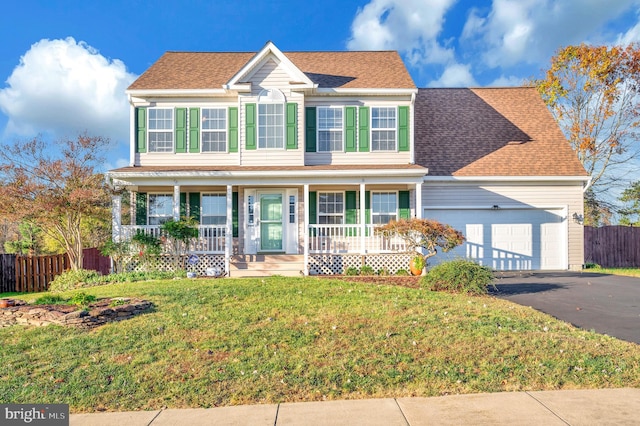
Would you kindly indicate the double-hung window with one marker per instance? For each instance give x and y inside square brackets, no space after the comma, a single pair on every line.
[383,128]
[384,207]
[330,208]
[214,209]
[271,119]
[214,129]
[160,129]
[160,208]
[330,126]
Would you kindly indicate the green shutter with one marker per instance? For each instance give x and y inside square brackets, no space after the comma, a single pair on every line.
[310,129]
[141,208]
[404,202]
[313,208]
[367,207]
[233,129]
[234,212]
[141,129]
[351,212]
[194,129]
[250,125]
[403,128]
[183,204]
[181,130]
[350,129]
[292,126]
[363,129]
[194,205]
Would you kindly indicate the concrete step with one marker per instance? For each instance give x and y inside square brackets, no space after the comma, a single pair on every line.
[264,265]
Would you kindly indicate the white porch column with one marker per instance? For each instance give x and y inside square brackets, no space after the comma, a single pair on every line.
[176,202]
[363,220]
[228,236]
[116,217]
[305,226]
[419,211]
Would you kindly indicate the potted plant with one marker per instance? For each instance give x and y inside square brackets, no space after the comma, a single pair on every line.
[416,264]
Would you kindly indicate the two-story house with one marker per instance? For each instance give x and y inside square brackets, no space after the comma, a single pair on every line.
[290,160]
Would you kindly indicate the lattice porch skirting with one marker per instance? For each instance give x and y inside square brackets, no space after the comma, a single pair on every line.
[165,263]
[330,264]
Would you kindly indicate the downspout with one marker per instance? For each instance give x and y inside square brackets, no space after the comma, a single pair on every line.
[587,186]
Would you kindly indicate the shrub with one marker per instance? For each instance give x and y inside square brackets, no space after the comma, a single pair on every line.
[70,280]
[50,299]
[383,272]
[366,270]
[351,270]
[402,272]
[82,299]
[459,276]
[591,266]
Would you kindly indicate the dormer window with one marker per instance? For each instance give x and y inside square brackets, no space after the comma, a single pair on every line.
[271,119]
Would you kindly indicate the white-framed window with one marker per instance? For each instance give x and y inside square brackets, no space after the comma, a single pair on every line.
[330,125]
[271,119]
[213,209]
[160,127]
[214,129]
[330,208]
[384,207]
[160,208]
[383,128]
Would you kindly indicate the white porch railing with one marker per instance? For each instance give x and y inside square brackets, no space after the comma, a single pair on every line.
[348,239]
[211,238]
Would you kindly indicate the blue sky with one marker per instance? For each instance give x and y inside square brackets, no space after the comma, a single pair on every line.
[65,64]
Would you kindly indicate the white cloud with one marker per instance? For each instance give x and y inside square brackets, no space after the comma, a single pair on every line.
[455,75]
[62,87]
[410,26]
[529,31]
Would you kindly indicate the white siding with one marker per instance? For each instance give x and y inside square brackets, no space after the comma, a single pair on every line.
[321,158]
[516,195]
[269,76]
[190,159]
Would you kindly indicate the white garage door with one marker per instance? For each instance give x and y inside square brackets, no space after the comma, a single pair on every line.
[508,239]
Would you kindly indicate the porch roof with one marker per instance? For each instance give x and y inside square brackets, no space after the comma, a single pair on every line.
[162,175]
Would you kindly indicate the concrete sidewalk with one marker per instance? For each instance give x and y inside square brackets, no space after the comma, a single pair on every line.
[567,407]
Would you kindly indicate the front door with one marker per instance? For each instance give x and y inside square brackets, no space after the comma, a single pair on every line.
[271,229]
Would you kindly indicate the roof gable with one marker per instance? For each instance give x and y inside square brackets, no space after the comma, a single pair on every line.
[490,132]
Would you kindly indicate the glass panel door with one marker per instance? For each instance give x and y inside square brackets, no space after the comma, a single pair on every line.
[271,222]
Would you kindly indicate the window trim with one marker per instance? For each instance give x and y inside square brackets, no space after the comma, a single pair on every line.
[371,129]
[149,215]
[397,212]
[334,129]
[342,215]
[272,97]
[170,131]
[225,130]
[202,215]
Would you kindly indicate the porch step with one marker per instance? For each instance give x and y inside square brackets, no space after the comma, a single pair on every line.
[264,265]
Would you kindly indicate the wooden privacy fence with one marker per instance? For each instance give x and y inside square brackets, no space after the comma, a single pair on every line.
[29,274]
[34,273]
[612,246]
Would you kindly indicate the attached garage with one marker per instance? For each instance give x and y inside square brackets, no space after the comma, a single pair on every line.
[508,239]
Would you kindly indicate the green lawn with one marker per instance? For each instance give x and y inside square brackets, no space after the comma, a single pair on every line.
[630,272]
[245,341]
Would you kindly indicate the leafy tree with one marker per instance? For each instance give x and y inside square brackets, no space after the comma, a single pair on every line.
[631,196]
[55,185]
[592,91]
[180,233]
[428,234]
[28,241]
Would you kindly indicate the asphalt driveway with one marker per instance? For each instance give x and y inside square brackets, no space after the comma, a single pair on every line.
[607,304]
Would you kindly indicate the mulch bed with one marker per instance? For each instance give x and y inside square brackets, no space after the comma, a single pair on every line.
[404,281]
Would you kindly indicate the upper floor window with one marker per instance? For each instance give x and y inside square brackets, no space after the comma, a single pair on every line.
[330,126]
[383,128]
[271,119]
[160,208]
[214,209]
[384,207]
[160,130]
[214,129]
[330,208]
